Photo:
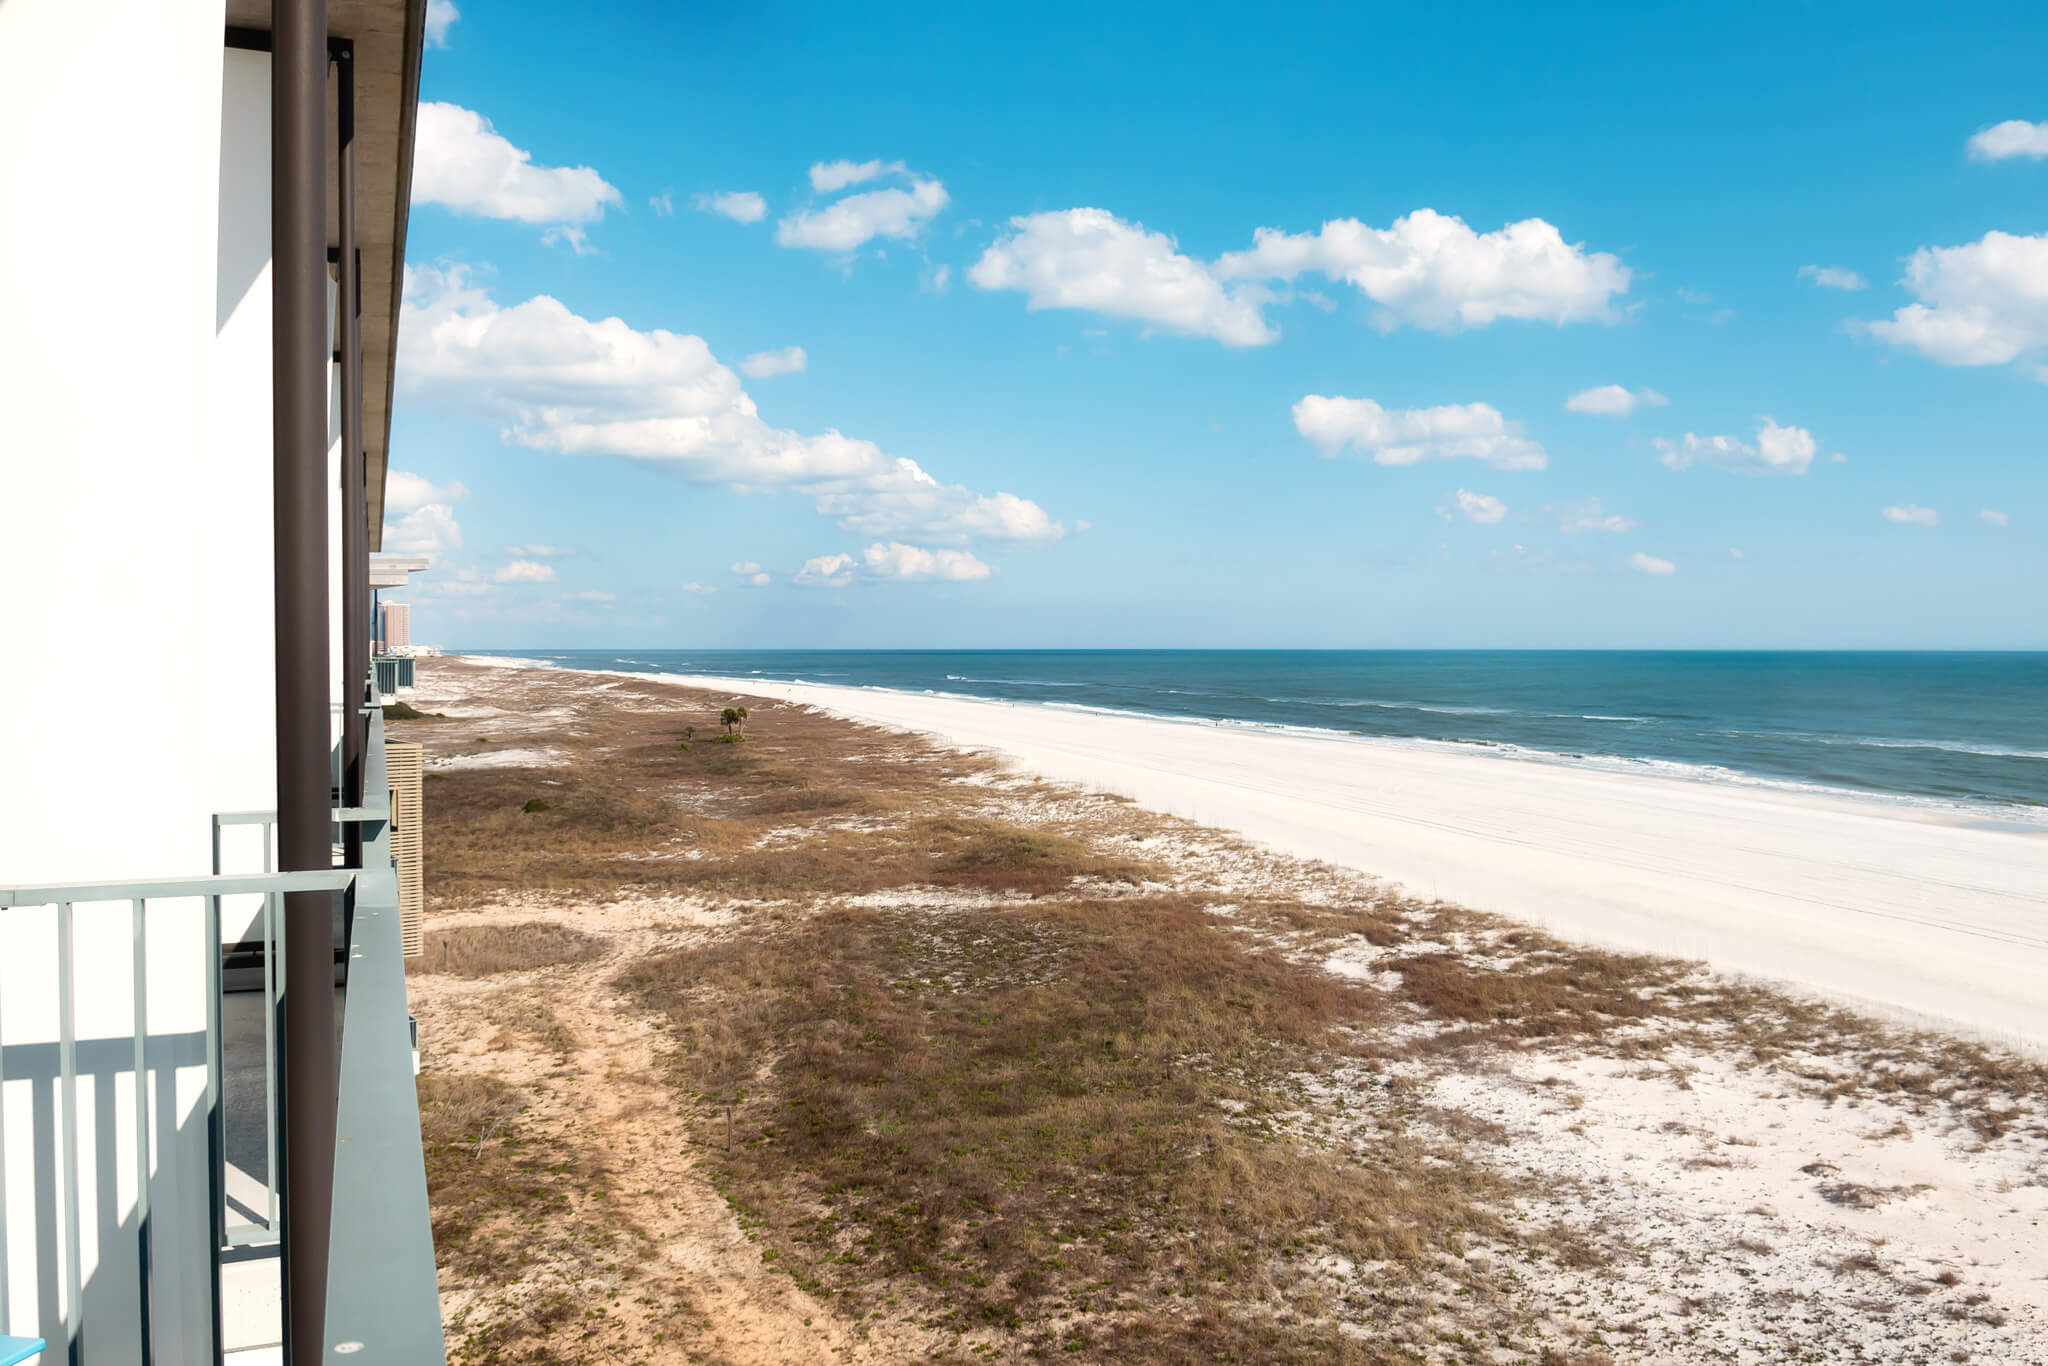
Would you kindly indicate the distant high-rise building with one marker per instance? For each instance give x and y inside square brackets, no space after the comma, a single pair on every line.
[397,632]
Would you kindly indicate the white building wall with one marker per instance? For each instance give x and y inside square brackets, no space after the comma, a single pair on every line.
[135,465]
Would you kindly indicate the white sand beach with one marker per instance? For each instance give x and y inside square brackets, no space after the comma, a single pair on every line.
[1902,910]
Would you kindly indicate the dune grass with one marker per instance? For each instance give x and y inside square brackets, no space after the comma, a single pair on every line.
[1056,1117]
[486,950]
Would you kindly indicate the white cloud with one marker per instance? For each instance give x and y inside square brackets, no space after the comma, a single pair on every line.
[1982,303]
[1611,400]
[1735,552]
[524,571]
[1833,277]
[741,206]
[403,491]
[462,163]
[1777,450]
[462,583]
[936,280]
[790,360]
[536,552]
[1912,514]
[1427,270]
[910,563]
[826,571]
[1473,507]
[2013,138]
[1587,514]
[1407,436]
[559,382]
[1650,564]
[858,219]
[428,529]
[1694,296]
[441,16]
[748,572]
[1091,259]
[895,561]
[745,567]
[830,177]
[694,587]
[575,239]
[590,595]
[904,500]
[1994,516]
[1430,270]
[663,204]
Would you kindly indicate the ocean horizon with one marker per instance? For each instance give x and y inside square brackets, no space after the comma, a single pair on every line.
[1966,729]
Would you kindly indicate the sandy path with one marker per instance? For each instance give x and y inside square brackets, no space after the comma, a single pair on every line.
[611,1089]
[1875,903]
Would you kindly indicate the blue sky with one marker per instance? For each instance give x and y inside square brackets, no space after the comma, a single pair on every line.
[1074,267]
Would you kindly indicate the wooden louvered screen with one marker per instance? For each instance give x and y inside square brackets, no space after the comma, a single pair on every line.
[403,766]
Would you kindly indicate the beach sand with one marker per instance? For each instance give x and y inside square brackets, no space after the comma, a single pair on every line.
[1903,910]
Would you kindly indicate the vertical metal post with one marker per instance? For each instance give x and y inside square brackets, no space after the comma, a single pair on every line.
[273,1085]
[355,513]
[145,1269]
[299,372]
[67,1077]
[216,1120]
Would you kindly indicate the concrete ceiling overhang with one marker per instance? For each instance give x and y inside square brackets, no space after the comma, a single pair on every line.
[396,571]
[390,40]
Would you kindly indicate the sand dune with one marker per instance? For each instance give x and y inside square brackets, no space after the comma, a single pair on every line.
[1905,910]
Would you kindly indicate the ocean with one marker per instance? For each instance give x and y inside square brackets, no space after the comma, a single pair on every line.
[1969,730]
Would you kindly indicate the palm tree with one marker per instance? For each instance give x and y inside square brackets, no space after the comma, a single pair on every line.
[742,713]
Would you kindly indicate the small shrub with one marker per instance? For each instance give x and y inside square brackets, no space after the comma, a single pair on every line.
[405,711]
[535,804]
[485,950]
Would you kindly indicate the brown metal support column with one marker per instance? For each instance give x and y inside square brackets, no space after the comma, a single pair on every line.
[299,372]
[355,518]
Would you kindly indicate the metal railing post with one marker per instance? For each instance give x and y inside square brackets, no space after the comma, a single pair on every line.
[299,373]
[145,1268]
[67,1073]
[216,1116]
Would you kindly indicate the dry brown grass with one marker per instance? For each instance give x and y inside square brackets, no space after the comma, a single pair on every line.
[512,1206]
[485,950]
[631,792]
[468,1126]
[1580,992]
[1024,1112]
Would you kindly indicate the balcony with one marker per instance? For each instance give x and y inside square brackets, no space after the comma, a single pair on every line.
[142,1103]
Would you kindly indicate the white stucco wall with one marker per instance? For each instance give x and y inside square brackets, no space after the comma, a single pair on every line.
[135,467]
[137,472]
